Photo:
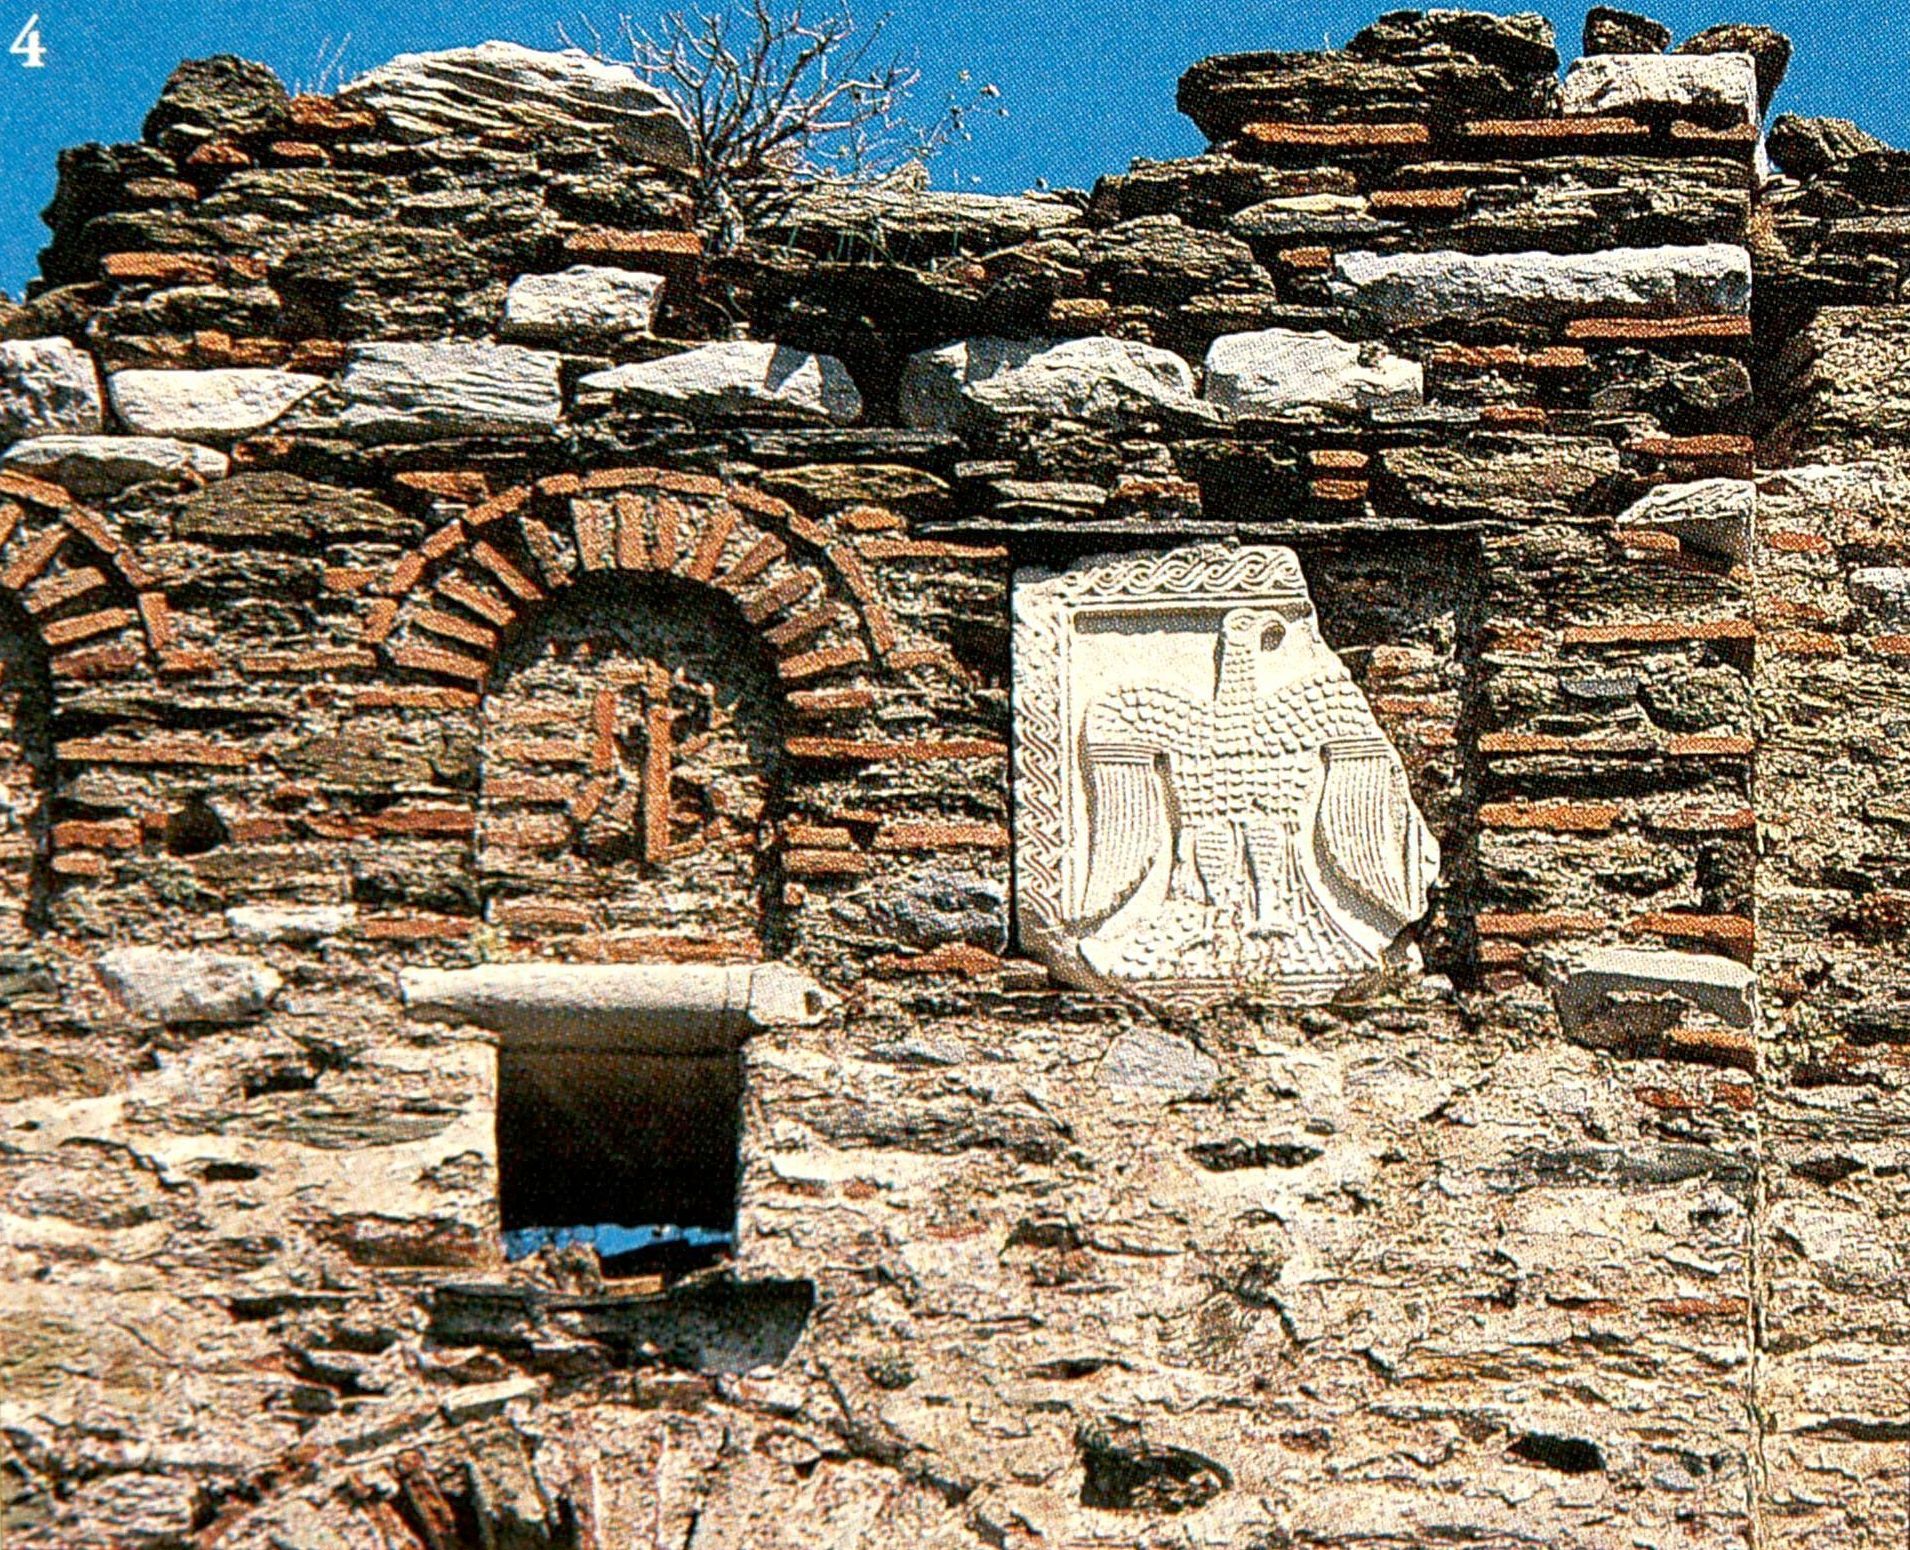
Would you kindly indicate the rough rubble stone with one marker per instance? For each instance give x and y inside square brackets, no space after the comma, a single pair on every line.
[289,923]
[1623,32]
[1523,43]
[585,301]
[1224,93]
[1716,89]
[910,223]
[1806,147]
[223,95]
[738,375]
[164,986]
[500,85]
[1278,369]
[1411,289]
[96,466]
[1158,261]
[1768,48]
[1883,589]
[426,392]
[216,404]
[47,386]
[1092,379]
[1159,1062]
[282,506]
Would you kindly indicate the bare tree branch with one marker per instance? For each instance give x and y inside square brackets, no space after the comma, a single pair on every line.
[776,98]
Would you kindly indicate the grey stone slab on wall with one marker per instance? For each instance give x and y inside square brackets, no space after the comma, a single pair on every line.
[421,392]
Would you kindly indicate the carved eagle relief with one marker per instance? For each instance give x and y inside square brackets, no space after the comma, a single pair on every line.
[1263,830]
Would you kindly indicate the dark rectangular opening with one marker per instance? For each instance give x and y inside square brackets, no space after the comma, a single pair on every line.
[636,1154]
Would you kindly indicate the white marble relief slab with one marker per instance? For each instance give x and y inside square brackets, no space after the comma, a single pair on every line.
[1203,796]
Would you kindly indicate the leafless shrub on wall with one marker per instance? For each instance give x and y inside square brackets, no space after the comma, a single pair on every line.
[775,99]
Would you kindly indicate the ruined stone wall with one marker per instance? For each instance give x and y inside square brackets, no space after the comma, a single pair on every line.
[420,554]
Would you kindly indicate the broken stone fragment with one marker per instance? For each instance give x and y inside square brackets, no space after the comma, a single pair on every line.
[500,86]
[47,386]
[92,467]
[217,404]
[1623,32]
[220,96]
[1093,379]
[476,1400]
[1524,43]
[427,392]
[271,923]
[1710,516]
[1769,49]
[1406,290]
[585,300]
[672,1009]
[1719,89]
[734,376]
[1312,217]
[1608,995]
[1278,369]
[165,986]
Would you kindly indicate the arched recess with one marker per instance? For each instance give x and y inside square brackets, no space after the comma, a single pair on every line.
[76,607]
[720,621]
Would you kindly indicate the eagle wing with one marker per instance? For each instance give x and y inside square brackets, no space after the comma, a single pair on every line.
[1124,742]
[1368,827]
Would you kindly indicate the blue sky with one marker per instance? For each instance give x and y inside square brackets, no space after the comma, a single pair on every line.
[1088,85]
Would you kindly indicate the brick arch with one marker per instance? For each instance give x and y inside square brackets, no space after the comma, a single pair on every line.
[443,611]
[94,609]
[79,607]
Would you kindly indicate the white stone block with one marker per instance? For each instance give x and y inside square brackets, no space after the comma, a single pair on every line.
[585,301]
[1277,370]
[96,466]
[271,923]
[738,375]
[47,387]
[217,404]
[1093,379]
[1407,290]
[1606,993]
[165,986]
[1711,516]
[430,392]
[499,85]
[1702,87]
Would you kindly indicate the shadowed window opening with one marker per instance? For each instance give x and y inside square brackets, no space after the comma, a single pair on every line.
[634,1154]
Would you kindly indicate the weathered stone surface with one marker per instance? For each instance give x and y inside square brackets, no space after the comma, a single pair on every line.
[1188,748]
[284,507]
[1204,190]
[47,387]
[585,301]
[1769,49]
[738,376]
[1884,589]
[1278,369]
[1093,379]
[95,466]
[1710,516]
[1158,261]
[210,405]
[223,95]
[1516,479]
[1159,1063]
[1709,89]
[424,392]
[1412,289]
[500,85]
[1609,31]
[1806,147]
[161,985]
[1325,218]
